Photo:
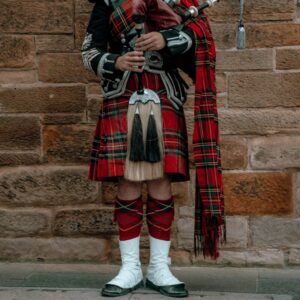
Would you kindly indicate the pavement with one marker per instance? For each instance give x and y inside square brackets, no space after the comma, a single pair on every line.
[82,281]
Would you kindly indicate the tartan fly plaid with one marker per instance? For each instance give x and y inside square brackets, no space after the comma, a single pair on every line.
[210,225]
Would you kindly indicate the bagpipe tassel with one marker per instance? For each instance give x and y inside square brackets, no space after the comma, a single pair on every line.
[241,32]
[137,149]
[152,141]
[152,166]
[241,36]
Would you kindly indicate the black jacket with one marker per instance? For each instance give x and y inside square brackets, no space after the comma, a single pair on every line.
[99,52]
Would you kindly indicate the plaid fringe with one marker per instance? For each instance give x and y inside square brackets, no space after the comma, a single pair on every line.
[210,226]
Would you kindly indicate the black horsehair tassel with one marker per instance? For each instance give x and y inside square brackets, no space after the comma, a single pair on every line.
[137,143]
[152,143]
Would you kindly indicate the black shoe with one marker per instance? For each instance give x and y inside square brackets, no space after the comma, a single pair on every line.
[111,290]
[174,290]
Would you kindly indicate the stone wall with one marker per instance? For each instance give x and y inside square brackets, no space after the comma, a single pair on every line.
[49,104]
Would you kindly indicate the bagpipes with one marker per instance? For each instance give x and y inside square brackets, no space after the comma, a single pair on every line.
[144,159]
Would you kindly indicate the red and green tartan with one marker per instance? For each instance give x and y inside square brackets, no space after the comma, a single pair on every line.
[210,225]
[110,138]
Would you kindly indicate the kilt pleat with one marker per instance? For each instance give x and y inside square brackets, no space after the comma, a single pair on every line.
[109,147]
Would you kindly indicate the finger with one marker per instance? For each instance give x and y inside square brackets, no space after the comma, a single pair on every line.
[135,53]
[143,37]
[153,47]
[133,69]
[136,59]
[135,65]
[145,42]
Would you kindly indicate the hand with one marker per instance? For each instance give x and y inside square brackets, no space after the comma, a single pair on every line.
[131,61]
[150,41]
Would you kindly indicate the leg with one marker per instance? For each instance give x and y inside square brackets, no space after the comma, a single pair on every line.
[129,216]
[129,209]
[160,216]
[160,208]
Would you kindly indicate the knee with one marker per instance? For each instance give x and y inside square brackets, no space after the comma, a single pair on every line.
[160,188]
[128,190]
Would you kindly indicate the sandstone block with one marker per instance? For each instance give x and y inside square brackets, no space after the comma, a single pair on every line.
[275,152]
[268,257]
[224,35]
[181,193]
[17,222]
[265,193]
[16,158]
[46,99]
[265,35]
[186,211]
[18,76]
[247,59]
[46,186]
[94,108]
[82,6]
[84,221]
[54,249]
[81,24]
[263,89]
[260,122]
[59,119]
[294,257]
[54,43]
[227,257]
[287,58]
[271,231]
[64,67]
[185,235]
[19,133]
[109,192]
[254,11]
[234,152]
[68,143]
[180,257]
[237,232]
[221,79]
[57,16]
[16,51]
[94,88]
[265,257]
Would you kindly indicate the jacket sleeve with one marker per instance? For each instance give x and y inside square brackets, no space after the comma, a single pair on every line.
[94,49]
[179,40]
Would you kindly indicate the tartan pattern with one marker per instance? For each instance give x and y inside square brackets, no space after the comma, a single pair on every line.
[160,216]
[109,146]
[129,215]
[210,227]
[121,20]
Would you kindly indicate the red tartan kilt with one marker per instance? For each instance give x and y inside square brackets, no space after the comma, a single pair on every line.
[109,146]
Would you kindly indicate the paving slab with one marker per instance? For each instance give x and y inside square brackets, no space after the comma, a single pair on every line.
[90,277]
[281,282]
[93,294]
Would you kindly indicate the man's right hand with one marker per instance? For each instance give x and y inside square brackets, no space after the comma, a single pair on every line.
[131,61]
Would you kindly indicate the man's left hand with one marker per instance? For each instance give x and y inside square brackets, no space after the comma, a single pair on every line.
[150,41]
